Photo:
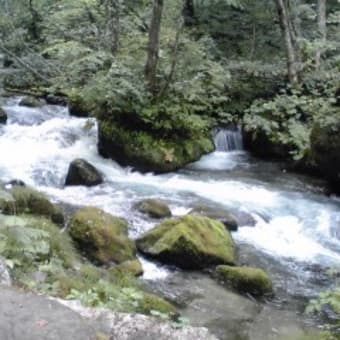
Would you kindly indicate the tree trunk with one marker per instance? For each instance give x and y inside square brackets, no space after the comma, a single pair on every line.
[153,46]
[189,13]
[288,35]
[113,23]
[322,30]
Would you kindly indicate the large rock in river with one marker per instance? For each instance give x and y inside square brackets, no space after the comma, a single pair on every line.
[190,242]
[325,149]
[147,152]
[101,236]
[250,280]
[3,116]
[81,172]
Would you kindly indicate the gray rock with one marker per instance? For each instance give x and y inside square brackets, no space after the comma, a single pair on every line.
[122,326]
[154,208]
[225,217]
[82,172]
[30,101]
[26,316]
[140,327]
[3,116]
[5,278]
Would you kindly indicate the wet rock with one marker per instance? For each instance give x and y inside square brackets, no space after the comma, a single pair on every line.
[15,183]
[81,172]
[30,101]
[101,236]
[3,116]
[190,242]
[249,280]
[30,201]
[55,100]
[5,278]
[244,219]
[225,217]
[154,208]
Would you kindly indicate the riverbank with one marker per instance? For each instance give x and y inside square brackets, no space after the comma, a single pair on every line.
[294,237]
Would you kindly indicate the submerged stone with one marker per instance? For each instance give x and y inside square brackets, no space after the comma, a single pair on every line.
[225,217]
[3,116]
[101,236]
[30,101]
[250,280]
[154,208]
[190,242]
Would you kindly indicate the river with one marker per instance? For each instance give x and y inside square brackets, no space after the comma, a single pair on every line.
[296,237]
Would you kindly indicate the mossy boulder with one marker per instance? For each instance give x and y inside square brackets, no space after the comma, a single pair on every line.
[101,236]
[147,152]
[30,101]
[249,280]
[226,217]
[151,302]
[81,172]
[3,116]
[7,201]
[190,242]
[78,106]
[131,267]
[325,151]
[30,201]
[154,208]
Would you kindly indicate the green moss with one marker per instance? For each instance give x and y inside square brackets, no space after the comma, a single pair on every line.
[154,208]
[148,152]
[60,242]
[132,267]
[189,242]
[30,241]
[30,201]
[250,280]
[101,236]
[79,105]
[151,302]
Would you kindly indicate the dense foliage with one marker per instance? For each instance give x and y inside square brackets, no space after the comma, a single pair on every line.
[272,66]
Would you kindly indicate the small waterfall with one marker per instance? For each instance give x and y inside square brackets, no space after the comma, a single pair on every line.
[228,139]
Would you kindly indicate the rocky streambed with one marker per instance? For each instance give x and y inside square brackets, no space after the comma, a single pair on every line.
[286,225]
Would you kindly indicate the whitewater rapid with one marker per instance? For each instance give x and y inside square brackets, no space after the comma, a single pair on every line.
[293,223]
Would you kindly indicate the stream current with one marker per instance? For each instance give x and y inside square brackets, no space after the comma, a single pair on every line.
[297,233]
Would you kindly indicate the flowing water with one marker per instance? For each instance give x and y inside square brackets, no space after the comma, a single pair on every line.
[296,237]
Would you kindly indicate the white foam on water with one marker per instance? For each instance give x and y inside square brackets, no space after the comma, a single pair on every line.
[152,271]
[286,237]
[297,227]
